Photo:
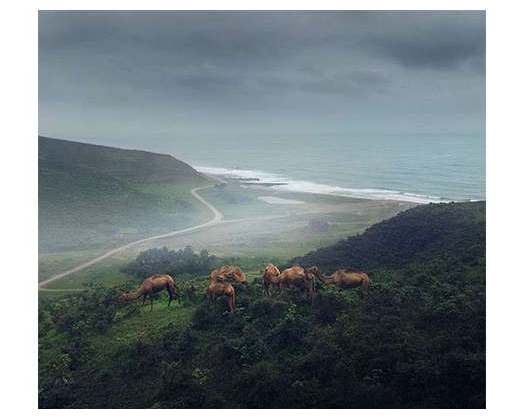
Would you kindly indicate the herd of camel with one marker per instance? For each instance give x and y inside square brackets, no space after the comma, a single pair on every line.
[222,280]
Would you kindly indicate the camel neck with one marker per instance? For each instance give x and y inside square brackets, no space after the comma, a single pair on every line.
[326,279]
[135,294]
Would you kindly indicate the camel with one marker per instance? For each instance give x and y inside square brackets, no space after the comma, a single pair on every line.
[219,287]
[343,278]
[297,276]
[230,272]
[152,285]
[270,277]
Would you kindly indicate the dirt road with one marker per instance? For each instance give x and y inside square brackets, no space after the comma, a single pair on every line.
[217,218]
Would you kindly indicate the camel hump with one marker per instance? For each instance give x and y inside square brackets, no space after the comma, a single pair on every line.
[295,268]
[160,278]
[355,271]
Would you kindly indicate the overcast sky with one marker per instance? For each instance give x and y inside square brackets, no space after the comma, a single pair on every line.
[122,78]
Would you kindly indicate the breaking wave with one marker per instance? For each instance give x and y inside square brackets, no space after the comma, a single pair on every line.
[284,184]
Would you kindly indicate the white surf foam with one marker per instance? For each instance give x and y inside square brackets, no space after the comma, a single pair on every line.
[264,177]
[289,185]
[279,201]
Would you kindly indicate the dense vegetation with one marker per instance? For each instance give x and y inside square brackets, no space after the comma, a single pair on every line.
[92,196]
[416,340]
[172,262]
[453,233]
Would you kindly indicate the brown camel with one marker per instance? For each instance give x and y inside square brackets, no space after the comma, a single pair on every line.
[343,278]
[298,277]
[229,272]
[217,289]
[152,285]
[270,277]
[220,287]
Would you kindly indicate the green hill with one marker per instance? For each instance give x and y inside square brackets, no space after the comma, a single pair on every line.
[92,196]
[417,340]
[419,234]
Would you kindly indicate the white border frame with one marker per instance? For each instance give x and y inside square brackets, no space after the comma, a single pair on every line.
[505,209]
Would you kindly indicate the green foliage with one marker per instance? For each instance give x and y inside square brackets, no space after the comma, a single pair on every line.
[418,234]
[55,381]
[91,311]
[163,260]
[416,340]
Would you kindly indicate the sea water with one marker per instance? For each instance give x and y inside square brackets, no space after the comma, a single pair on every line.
[419,168]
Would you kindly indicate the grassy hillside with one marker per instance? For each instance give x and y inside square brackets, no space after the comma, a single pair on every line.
[92,196]
[416,340]
[417,235]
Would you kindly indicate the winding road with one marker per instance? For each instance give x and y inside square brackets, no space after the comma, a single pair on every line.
[218,218]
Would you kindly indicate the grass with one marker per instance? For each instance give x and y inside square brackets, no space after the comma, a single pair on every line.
[128,328]
[132,208]
[122,217]
[92,197]
[107,273]
[55,262]
[236,202]
[272,242]
[133,321]
[128,357]
[146,325]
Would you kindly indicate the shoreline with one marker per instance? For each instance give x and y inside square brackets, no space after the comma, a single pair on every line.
[272,183]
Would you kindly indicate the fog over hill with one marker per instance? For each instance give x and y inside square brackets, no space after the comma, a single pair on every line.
[91,195]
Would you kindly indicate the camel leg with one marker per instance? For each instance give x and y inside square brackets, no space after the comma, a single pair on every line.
[210,297]
[364,287]
[274,286]
[281,285]
[268,287]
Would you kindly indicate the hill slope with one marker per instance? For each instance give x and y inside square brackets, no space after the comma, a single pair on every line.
[415,235]
[92,195]
[417,340]
[124,165]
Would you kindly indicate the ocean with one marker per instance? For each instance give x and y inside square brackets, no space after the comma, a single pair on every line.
[417,168]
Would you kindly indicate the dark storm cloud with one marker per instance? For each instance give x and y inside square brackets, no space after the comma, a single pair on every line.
[223,71]
[413,37]
[435,41]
